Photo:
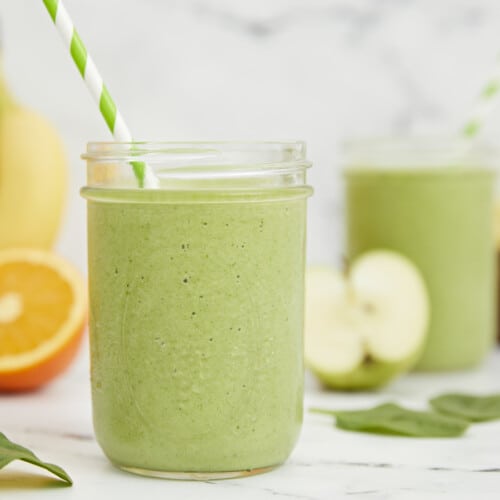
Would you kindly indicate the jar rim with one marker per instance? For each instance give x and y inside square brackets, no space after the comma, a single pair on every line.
[115,150]
[209,164]
[418,151]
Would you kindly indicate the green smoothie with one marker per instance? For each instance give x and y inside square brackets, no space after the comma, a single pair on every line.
[196,320]
[441,218]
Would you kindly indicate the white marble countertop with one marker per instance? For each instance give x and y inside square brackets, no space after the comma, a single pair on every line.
[326,464]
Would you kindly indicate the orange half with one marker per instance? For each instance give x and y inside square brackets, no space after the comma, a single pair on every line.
[43,308]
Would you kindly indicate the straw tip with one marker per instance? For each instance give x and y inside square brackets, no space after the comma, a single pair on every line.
[471,129]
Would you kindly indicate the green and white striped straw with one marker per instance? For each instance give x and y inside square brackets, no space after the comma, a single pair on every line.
[95,84]
[487,101]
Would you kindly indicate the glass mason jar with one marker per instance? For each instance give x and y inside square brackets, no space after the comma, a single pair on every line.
[196,305]
[497,248]
[431,200]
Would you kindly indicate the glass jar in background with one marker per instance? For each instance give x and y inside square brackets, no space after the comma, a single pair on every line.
[432,201]
[497,247]
[196,305]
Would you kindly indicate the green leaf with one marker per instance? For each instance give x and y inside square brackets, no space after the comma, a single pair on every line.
[392,419]
[10,451]
[468,407]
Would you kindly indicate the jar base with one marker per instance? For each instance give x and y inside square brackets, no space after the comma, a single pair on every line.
[196,476]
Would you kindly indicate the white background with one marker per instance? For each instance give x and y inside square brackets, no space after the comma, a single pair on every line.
[318,70]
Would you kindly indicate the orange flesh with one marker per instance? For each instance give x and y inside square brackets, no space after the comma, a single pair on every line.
[46,301]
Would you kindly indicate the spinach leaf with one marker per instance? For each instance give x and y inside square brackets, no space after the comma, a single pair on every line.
[468,407]
[390,418]
[10,451]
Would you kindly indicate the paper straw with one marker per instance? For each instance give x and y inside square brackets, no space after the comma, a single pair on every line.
[487,101]
[88,70]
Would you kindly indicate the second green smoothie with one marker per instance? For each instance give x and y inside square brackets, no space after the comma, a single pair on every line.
[440,216]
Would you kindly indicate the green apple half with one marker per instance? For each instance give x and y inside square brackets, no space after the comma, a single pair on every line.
[365,327]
